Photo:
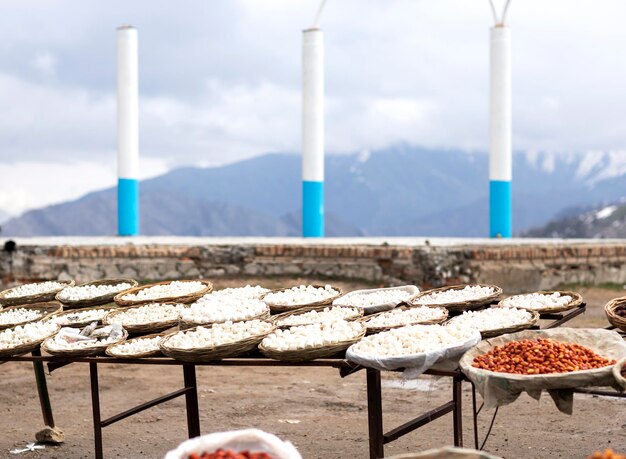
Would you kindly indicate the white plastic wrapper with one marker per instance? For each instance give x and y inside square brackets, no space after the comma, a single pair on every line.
[416,364]
[504,388]
[253,440]
[345,300]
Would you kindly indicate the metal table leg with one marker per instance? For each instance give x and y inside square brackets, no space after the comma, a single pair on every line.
[457,397]
[375,414]
[42,388]
[95,406]
[474,415]
[191,400]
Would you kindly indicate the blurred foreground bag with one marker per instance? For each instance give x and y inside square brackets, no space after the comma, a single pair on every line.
[253,440]
[504,388]
[447,453]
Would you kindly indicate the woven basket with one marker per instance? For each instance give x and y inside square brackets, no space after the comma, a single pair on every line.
[26,347]
[141,329]
[618,372]
[208,354]
[140,355]
[304,310]
[611,315]
[47,309]
[80,352]
[302,355]
[186,325]
[372,330]
[459,305]
[513,328]
[40,298]
[186,299]
[280,308]
[98,300]
[84,323]
[577,300]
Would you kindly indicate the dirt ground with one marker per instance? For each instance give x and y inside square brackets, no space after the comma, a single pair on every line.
[323,415]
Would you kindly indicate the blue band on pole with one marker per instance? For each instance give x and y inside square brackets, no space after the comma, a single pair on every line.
[500,221]
[127,207]
[312,209]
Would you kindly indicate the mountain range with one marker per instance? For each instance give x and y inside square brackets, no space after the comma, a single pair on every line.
[400,191]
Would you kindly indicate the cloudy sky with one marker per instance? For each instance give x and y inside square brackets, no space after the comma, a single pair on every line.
[220,81]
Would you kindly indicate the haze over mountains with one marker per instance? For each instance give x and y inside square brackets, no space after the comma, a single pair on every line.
[400,191]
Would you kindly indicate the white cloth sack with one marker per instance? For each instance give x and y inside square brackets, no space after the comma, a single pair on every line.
[345,299]
[447,452]
[238,440]
[415,364]
[504,388]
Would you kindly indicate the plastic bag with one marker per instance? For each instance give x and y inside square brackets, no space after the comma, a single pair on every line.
[345,299]
[238,440]
[415,364]
[504,388]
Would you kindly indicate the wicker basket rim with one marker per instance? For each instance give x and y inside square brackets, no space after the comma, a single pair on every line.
[301,305]
[576,299]
[208,287]
[70,283]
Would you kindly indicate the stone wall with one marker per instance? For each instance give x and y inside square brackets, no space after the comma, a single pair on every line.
[514,265]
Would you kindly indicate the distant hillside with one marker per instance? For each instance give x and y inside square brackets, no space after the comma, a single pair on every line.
[400,191]
[603,222]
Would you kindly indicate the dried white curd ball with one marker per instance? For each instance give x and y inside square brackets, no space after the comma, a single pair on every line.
[87,292]
[373,298]
[302,294]
[247,292]
[36,288]
[312,336]
[468,293]
[16,316]
[218,334]
[537,301]
[149,313]
[492,319]
[412,339]
[215,309]
[22,334]
[93,315]
[399,317]
[326,315]
[173,289]
[137,346]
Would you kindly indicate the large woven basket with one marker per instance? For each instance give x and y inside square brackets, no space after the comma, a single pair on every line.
[83,323]
[26,347]
[80,352]
[208,354]
[185,299]
[40,298]
[280,308]
[577,300]
[459,305]
[110,350]
[302,355]
[619,371]
[371,330]
[185,324]
[277,318]
[98,300]
[47,309]
[145,328]
[513,328]
[611,315]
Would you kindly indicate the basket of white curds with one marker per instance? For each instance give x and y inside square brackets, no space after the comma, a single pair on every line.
[37,292]
[94,293]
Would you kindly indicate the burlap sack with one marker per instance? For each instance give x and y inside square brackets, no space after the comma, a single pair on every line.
[238,440]
[503,388]
[345,299]
[447,453]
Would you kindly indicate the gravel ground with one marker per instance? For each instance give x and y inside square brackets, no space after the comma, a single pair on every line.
[323,415]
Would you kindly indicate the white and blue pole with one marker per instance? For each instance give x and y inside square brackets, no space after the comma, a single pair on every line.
[313,133]
[500,145]
[127,132]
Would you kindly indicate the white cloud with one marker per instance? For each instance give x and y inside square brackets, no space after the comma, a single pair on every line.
[45,63]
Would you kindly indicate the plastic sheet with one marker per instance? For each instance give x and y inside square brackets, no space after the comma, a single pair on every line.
[504,388]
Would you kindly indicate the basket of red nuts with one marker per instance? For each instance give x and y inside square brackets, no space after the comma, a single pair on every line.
[237,444]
